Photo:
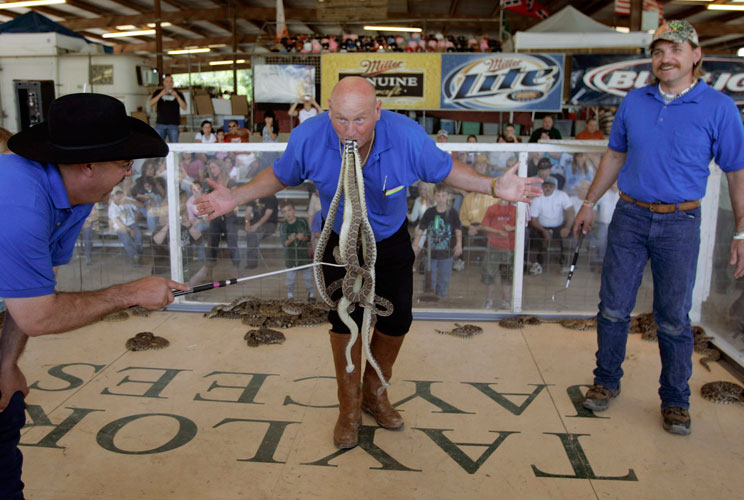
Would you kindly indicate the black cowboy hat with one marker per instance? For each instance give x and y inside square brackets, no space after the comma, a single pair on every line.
[88,128]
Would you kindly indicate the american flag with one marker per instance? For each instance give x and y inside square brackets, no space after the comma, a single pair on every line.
[622,7]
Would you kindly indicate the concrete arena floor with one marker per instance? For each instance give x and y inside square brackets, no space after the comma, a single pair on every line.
[497,416]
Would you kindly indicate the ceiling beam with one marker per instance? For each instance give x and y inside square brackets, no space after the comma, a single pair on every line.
[252,14]
[131,48]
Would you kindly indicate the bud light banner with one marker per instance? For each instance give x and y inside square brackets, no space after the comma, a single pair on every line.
[502,82]
[603,80]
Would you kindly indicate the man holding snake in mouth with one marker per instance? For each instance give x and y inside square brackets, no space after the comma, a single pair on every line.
[394,152]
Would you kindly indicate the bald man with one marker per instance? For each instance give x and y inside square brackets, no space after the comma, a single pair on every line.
[396,152]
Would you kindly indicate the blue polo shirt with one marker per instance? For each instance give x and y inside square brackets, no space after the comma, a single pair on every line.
[38,227]
[402,153]
[669,146]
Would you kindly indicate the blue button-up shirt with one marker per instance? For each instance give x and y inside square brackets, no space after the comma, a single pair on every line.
[669,146]
[402,153]
[38,227]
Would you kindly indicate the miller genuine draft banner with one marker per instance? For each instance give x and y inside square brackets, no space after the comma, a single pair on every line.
[403,81]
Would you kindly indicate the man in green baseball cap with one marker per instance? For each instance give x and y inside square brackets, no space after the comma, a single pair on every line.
[663,138]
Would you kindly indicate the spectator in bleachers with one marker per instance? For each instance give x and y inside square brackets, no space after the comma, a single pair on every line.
[225,225]
[606,117]
[220,133]
[499,223]
[442,136]
[192,246]
[444,236]
[580,170]
[261,217]
[546,168]
[270,129]
[552,216]
[510,133]
[423,201]
[193,168]
[295,236]
[309,109]
[591,132]
[472,211]
[205,134]
[237,134]
[122,214]
[548,128]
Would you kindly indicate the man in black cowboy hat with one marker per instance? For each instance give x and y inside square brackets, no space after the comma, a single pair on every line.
[47,189]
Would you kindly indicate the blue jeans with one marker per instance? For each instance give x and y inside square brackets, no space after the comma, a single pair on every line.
[671,241]
[441,270]
[133,246]
[12,420]
[307,277]
[167,132]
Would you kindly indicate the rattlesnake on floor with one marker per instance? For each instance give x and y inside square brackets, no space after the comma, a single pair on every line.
[723,392]
[462,331]
[144,341]
[255,338]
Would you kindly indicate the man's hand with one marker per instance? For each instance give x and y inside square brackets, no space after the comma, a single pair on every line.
[583,221]
[218,202]
[472,230]
[458,250]
[565,231]
[737,257]
[153,292]
[12,380]
[511,187]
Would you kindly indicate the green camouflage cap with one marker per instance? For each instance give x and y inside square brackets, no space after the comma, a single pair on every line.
[676,32]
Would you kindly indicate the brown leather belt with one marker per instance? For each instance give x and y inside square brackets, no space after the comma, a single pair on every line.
[662,208]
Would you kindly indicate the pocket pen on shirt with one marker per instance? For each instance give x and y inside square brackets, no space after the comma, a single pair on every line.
[389,192]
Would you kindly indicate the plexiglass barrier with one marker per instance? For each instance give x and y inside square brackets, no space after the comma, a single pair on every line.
[515,257]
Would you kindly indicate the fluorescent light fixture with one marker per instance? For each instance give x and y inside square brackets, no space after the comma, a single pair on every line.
[222,63]
[622,29]
[393,28]
[740,52]
[122,34]
[216,45]
[162,25]
[189,51]
[127,27]
[30,3]
[719,6]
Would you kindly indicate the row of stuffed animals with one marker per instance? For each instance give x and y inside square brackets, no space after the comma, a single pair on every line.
[414,43]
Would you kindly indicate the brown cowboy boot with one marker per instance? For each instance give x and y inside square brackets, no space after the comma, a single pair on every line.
[346,432]
[384,349]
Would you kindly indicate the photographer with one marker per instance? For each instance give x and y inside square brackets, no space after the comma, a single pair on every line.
[168,101]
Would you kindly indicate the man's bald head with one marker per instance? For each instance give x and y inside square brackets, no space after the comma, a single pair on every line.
[353,87]
[354,109]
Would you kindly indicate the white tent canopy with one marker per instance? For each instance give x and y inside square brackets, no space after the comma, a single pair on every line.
[570,29]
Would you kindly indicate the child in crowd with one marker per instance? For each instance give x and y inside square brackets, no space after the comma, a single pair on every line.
[122,214]
[444,237]
[499,223]
[294,234]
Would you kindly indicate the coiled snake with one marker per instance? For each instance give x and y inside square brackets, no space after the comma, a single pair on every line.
[358,284]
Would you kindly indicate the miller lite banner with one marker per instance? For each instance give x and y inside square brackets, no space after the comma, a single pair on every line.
[603,80]
[402,81]
[502,82]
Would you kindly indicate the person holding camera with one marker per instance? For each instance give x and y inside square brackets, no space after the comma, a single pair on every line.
[168,102]
[309,109]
